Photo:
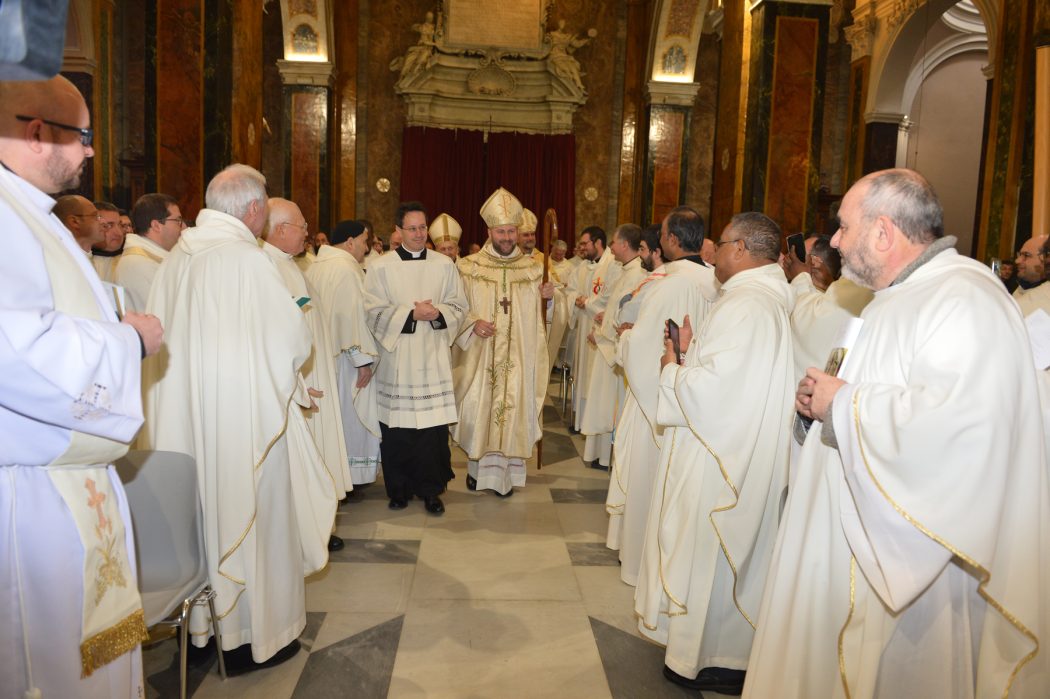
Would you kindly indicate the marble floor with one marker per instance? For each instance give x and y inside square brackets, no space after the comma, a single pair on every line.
[513,597]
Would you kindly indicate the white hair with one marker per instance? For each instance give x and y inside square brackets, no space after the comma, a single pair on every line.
[234,189]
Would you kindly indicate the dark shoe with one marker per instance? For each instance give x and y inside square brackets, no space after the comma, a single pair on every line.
[335,543]
[597,466]
[506,494]
[472,482]
[239,660]
[433,505]
[398,503]
[711,679]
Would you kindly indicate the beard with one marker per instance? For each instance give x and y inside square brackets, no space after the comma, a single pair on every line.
[859,267]
[503,248]
[62,172]
[647,263]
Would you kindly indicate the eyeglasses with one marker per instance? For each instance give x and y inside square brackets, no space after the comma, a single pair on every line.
[1025,255]
[416,229]
[94,214]
[178,219]
[85,134]
[304,226]
[720,243]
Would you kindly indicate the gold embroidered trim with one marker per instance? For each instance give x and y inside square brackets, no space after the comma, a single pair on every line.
[985,575]
[106,646]
[849,617]
[143,253]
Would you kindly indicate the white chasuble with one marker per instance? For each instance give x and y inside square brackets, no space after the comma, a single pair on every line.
[105,265]
[818,320]
[672,291]
[221,391]
[501,380]
[579,280]
[414,375]
[136,269]
[339,282]
[596,295]
[69,604]
[1031,299]
[723,470]
[913,560]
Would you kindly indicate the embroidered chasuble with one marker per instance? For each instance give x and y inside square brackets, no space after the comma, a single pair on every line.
[222,392]
[414,375]
[723,469]
[501,381]
[70,404]
[339,282]
[671,291]
[912,561]
[136,268]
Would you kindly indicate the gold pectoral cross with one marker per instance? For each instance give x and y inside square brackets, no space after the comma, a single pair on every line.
[505,303]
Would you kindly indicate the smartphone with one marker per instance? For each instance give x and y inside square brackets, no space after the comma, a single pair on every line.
[796,242]
[672,334]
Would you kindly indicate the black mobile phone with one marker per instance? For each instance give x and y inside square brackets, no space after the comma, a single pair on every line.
[672,334]
[798,243]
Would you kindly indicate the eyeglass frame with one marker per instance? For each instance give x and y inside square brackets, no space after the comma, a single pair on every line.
[180,219]
[86,135]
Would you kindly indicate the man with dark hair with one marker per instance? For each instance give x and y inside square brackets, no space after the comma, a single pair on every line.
[158,224]
[726,409]
[682,234]
[605,387]
[824,262]
[106,254]
[913,558]
[415,305]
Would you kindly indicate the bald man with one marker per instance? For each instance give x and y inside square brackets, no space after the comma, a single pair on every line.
[80,216]
[1032,292]
[69,404]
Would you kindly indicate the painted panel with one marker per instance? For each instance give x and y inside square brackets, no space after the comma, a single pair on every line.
[308,138]
[667,135]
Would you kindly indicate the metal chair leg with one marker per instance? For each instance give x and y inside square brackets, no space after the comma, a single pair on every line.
[216,632]
[184,639]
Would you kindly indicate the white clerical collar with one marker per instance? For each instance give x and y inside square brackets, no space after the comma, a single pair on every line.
[415,255]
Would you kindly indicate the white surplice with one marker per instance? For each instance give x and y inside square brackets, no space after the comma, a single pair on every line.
[61,373]
[723,470]
[913,560]
[606,387]
[221,391]
[672,291]
[136,268]
[339,281]
[818,318]
[596,294]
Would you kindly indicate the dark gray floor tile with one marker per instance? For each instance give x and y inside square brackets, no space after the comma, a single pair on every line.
[589,553]
[634,667]
[359,666]
[160,666]
[313,625]
[366,491]
[376,551]
[567,495]
[557,447]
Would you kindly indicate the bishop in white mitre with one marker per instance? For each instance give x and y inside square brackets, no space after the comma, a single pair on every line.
[913,556]
[499,366]
[724,467]
[606,386]
[682,287]
[161,225]
[339,279]
[222,392]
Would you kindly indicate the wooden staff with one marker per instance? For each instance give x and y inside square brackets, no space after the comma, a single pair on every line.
[550,229]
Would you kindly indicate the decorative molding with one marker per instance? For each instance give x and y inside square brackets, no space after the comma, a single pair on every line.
[674,94]
[941,52]
[884,118]
[714,21]
[901,11]
[320,74]
[861,34]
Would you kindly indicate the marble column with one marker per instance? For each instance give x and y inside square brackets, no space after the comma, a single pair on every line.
[344,161]
[666,164]
[785,112]
[633,126]
[307,118]
[731,120]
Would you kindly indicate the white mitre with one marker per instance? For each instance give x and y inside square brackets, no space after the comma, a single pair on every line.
[445,228]
[502,209]
[528,222]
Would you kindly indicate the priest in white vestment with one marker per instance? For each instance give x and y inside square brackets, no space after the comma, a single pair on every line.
[160,224]
[590,304]
[500,370]
[912,559]
[724,467]
[106,255]
[415,305]
[339,280]
[317,452]
[222,392]
[558,307]
[685,286]
[80,216]
[1033,290]
[69,404]
[607,387]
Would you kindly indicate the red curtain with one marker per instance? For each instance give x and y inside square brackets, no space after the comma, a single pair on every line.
[455,171]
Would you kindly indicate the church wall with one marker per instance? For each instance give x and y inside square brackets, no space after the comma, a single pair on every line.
[945,142]
[381,112]
[702,128]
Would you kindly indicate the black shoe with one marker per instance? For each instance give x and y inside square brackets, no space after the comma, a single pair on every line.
[573,430]
[711,679]
[239,660]
[472,482]
[504,495]
[335,543]
[433,505]
[596,465]
[398,503]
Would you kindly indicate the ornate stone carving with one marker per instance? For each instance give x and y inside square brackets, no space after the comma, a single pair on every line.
[491,78]
[861,34]
[559,56]
[902,10]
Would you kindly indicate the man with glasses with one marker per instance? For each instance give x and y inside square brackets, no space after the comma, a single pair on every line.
[415,305]
[1033,291]
[70,402]
[80,216]
[105,256]
[726,411]
[158,222]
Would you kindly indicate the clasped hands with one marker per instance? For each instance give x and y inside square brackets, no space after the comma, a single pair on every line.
[815,392]
[425,310]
